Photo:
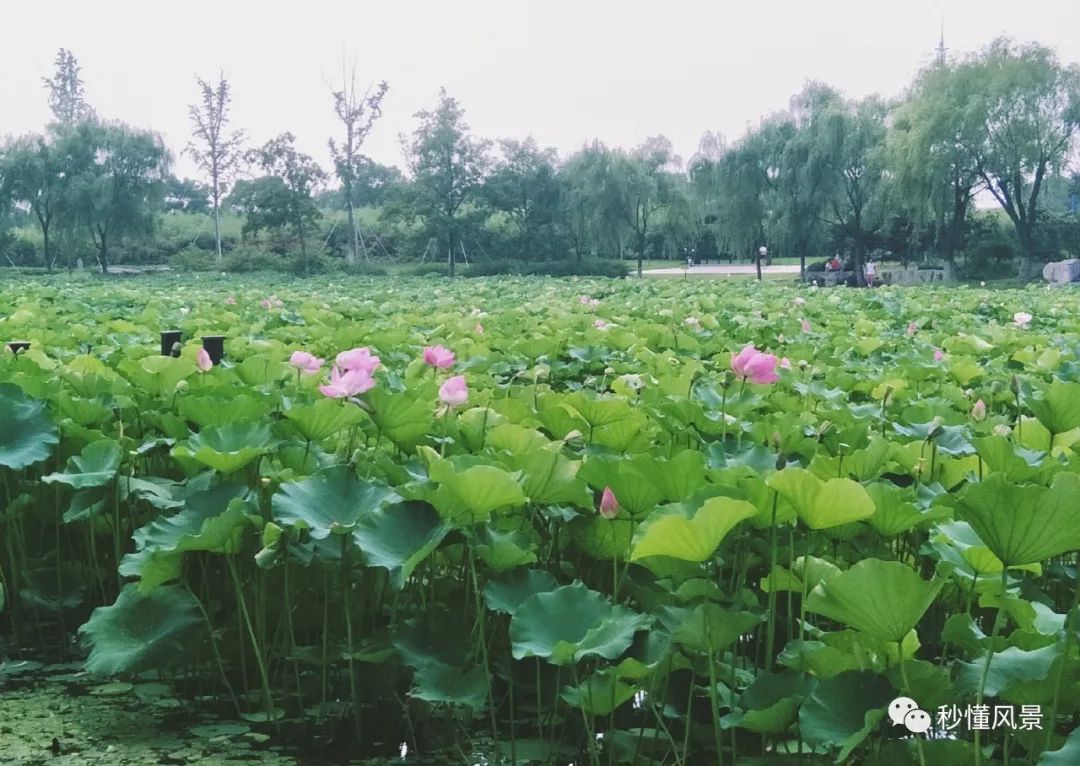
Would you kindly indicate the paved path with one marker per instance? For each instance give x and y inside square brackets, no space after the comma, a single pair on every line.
[721,269]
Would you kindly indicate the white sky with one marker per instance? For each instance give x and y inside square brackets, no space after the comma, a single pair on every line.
[563,71]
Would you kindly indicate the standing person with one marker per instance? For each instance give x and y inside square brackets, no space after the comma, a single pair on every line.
[871,271]
[834,264]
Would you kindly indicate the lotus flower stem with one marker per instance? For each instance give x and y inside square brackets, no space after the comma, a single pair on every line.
[990,656]
[214,648]
[346,589]
[770,636]
[714,704]
[1069,631]
[263,676]
[483,648]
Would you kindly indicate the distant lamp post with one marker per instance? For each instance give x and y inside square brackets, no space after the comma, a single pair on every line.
[761,252]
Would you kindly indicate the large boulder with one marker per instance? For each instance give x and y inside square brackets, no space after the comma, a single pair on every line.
[1062,272]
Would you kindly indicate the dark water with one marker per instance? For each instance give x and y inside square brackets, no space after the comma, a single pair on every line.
[58,715]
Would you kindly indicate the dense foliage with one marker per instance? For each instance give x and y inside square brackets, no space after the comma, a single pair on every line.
[659,522]
[891,177]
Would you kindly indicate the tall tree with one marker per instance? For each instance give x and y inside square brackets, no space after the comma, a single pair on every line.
[215,148]
[448,166]
[1021,112]
[295,177]
[36,175]
[936,176]
[860,203]
[524,186]
[804,150]
[357,114]
[118,182]
[66,98]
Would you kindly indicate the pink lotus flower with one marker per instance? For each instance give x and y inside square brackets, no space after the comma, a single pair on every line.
[785,363]
[938,354]
[230,301]
[693,322]
[978,412]
[203,362]
[799,300]
[439,356]
[454,392]
[345,384]
[805,325]
[912,328]
[305,362]
[479,329]
[609,504]
[751,364]
[357,359]
[600,324]
[1022,319]
[266,304]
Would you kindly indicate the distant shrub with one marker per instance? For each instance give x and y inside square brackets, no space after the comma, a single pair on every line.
[584,268]
[362,269]
[192,258]
[246,259]
[427,269]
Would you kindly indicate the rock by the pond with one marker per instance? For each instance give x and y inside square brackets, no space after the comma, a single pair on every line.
[1062,272]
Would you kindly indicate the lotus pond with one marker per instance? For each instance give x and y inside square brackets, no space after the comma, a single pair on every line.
[552,522]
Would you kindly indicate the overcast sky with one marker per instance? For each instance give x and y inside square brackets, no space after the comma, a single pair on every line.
[563,71]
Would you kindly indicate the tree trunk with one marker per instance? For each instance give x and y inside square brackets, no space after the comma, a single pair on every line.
[217,229]
[103,254]
[45,249]
[451,259]
[354,244]
[757,263]
[860,257]
[802,261]
[303,247]
[1026,270]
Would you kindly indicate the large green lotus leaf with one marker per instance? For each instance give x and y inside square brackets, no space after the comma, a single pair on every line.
[501,550]
[862,464]
[1000,455]
[472,426]
[609,422]
[599,694]
[1008,666]
[570,623]
[95,467]
[324,418]
[1066,755]
[818,659]
[843,710]
[157,375]
[633,480]
[260,370]
[212,520]
[691,539]
[549,477]
[210,411]
[27,435]
[882,598]
[1059,407]
[711,625]
[402,418]
[141,631]
[822,504]
[506,591]
[816,571]
[896,511]
[437,683]
[228,448]
[1024,523]
[333,501]
[515,439]
[470,496]
[770,704]
[603,539]
[682,475]
[398,536]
